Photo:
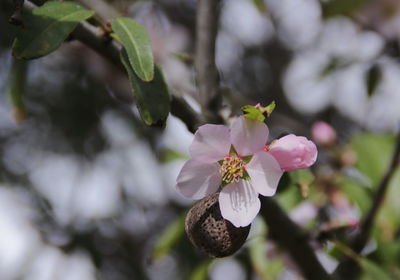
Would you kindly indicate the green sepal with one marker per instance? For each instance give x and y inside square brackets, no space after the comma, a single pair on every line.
[232,151]
[246,176]
[247,159]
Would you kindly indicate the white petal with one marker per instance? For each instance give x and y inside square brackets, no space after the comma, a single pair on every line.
[197,179]
[265,173]
[239,203]
[211,143]
[248,136]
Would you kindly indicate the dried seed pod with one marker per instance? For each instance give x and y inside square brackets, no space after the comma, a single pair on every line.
[211,233]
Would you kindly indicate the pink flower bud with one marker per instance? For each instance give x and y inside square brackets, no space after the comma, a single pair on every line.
[293,152]
[323,133]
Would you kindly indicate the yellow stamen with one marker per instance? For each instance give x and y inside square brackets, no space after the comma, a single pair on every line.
[232,169]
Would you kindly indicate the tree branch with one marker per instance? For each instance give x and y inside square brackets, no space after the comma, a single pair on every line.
[348,267]
[286,233]
[207,74]
[95,38]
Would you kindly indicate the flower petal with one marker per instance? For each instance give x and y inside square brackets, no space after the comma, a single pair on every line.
[248,136]
[211,143]
[265,173]
[239,203]
[197,179]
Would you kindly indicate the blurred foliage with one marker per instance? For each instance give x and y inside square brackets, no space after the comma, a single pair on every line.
[169,237]
[168,155]
[303,178]
[260,4]
[342,7]
[290,198]
[201,271]
[264,267]
[357,193]
[374,152]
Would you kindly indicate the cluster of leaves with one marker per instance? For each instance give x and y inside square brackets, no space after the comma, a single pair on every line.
[46,28]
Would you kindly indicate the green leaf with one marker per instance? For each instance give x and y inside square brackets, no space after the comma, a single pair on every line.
[152,98]
[16,88]
[374,152]
[169,237]
[47,27]
[258,113]
[252,113]
[168,155]
[372,271]
[135,40]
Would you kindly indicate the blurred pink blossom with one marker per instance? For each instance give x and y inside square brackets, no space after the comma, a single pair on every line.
[232,158]
[323,133]
[293,152]
[339,212]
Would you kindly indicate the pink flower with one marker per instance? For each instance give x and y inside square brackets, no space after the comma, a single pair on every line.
[234,159]
[323,133]
[293,152]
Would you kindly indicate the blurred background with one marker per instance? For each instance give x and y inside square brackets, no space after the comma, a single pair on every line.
[87,191]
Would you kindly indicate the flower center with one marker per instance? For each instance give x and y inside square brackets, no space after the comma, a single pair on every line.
[232,169]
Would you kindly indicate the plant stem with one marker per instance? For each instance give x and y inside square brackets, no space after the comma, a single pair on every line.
[207,74]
